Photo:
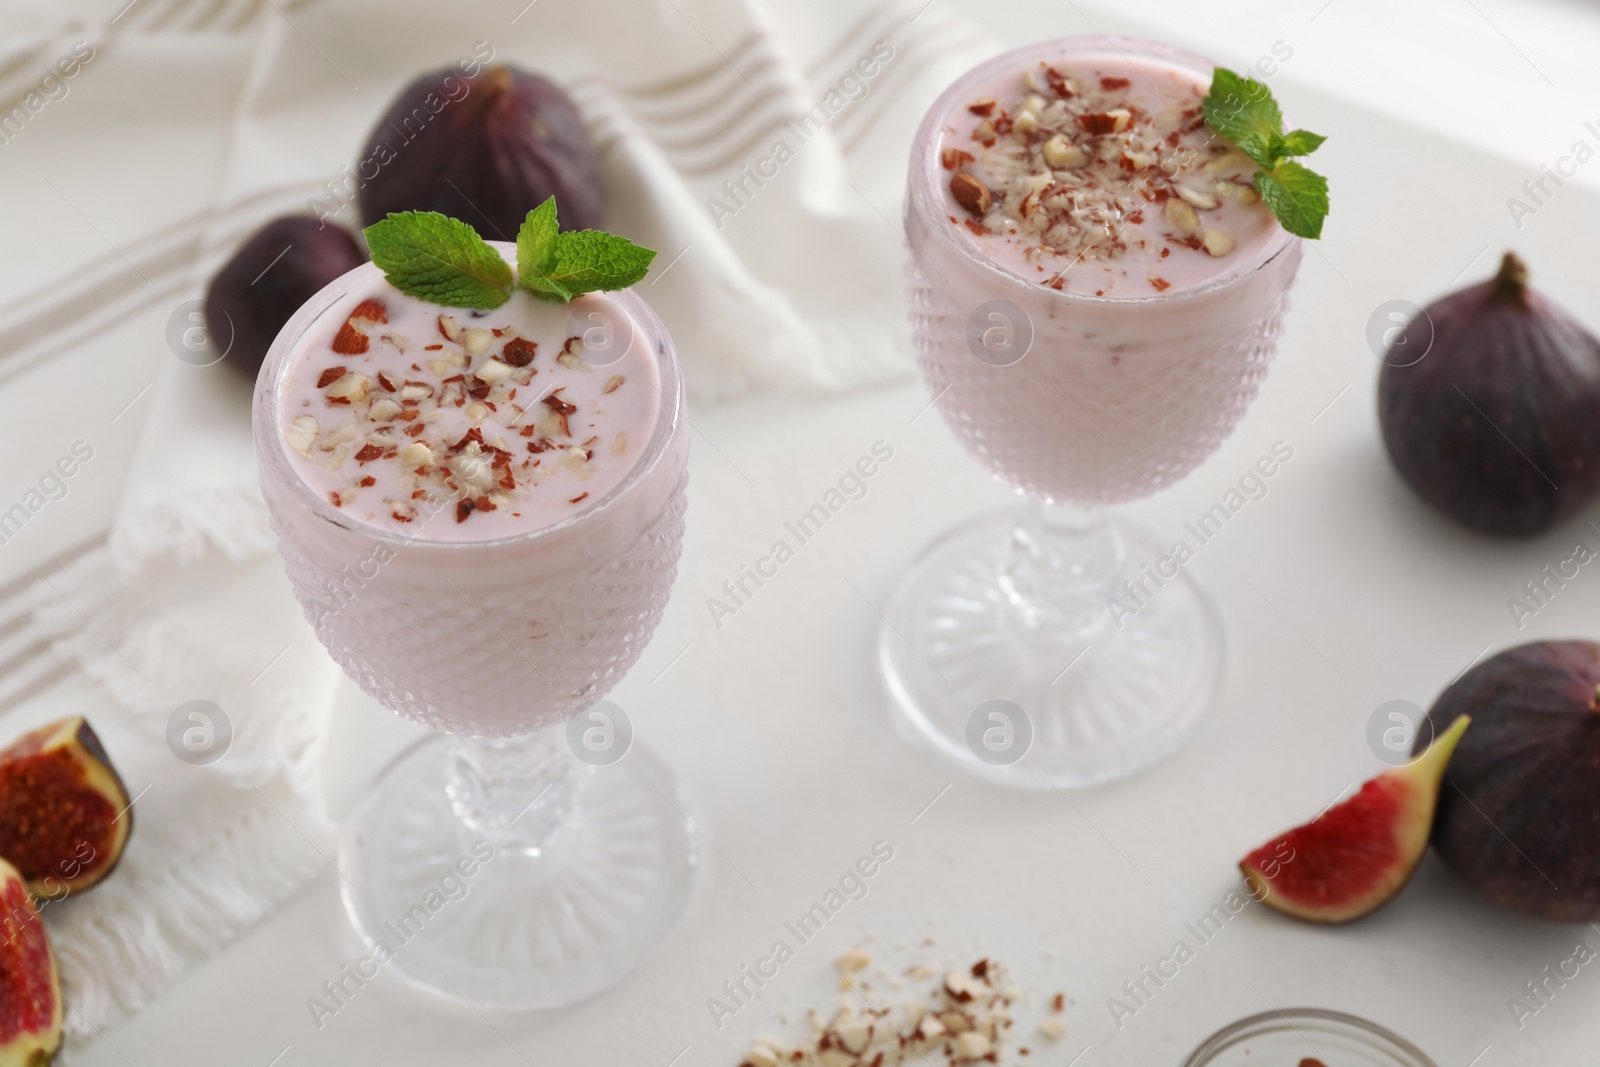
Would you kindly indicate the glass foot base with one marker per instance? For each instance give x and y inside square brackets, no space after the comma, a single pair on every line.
[1031,708]
[516,929]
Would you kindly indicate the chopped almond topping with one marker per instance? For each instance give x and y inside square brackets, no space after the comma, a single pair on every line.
[519,352]
[352,340]
[955,158]
[971,194]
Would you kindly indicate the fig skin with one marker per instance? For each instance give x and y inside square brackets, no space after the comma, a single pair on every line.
[1519,816]
[487,156]
[251,307]
[1498,425]
[31,1008]
[65,816]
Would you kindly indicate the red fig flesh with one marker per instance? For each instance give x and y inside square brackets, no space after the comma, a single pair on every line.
[1518,816]
[1356,856]
[1498,424]
[30,990]
[65,815]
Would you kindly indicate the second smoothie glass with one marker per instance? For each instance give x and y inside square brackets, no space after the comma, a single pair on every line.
[1003,627]
[502,865]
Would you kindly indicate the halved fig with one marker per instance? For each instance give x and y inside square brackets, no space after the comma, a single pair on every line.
[65,815]
[30,990]
[1355,857]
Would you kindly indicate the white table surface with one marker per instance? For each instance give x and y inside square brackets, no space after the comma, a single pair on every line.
[778,728]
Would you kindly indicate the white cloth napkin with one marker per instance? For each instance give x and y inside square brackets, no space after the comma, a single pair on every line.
[760,147]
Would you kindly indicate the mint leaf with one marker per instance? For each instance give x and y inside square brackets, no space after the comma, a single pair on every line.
[1300,143]
[540,286]
[536,241]
[439,259]
[587,260]
[1298,196]
[1238,107]
[1243,111]
[1258,148]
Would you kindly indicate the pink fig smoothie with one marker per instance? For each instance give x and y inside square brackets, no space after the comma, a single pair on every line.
[456,425]
[1096,286]
[481,513]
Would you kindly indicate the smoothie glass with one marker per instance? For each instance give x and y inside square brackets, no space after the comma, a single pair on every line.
[1000,645]
[508,865]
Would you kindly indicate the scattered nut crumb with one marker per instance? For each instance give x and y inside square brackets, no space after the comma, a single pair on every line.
[964,1020]
[854,960]
[972,1046]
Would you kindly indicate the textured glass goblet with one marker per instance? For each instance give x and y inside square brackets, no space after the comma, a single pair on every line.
[1000,646]
[534,858]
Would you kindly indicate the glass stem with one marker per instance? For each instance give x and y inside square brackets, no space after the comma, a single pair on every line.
[1063,567]
[514,792]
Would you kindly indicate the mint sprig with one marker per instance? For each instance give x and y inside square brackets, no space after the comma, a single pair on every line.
[444,261]
[1243,111]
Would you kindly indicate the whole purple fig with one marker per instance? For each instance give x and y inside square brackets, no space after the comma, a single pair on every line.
[280,267]
[485,149]
[1521,799]
[1498,424]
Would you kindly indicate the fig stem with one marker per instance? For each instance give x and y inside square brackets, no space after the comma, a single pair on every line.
[1594,702]
[1511,281]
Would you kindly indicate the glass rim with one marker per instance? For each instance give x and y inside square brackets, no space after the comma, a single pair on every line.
[1284,1018]
[921,185]
[273,367]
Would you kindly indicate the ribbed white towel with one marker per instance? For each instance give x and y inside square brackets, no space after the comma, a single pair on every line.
[760,147]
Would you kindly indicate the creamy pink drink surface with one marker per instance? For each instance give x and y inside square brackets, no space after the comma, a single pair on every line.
[445,424]
[1096,285]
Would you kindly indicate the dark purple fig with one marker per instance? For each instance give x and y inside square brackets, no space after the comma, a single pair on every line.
[1520,807]
[278,269]
[1498,424]
[485,149]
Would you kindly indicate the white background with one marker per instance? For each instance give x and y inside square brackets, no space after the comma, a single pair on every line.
[1437,110]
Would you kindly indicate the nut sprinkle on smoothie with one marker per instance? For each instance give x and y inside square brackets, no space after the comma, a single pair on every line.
[1101,175]
[413,413]
[452,401]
